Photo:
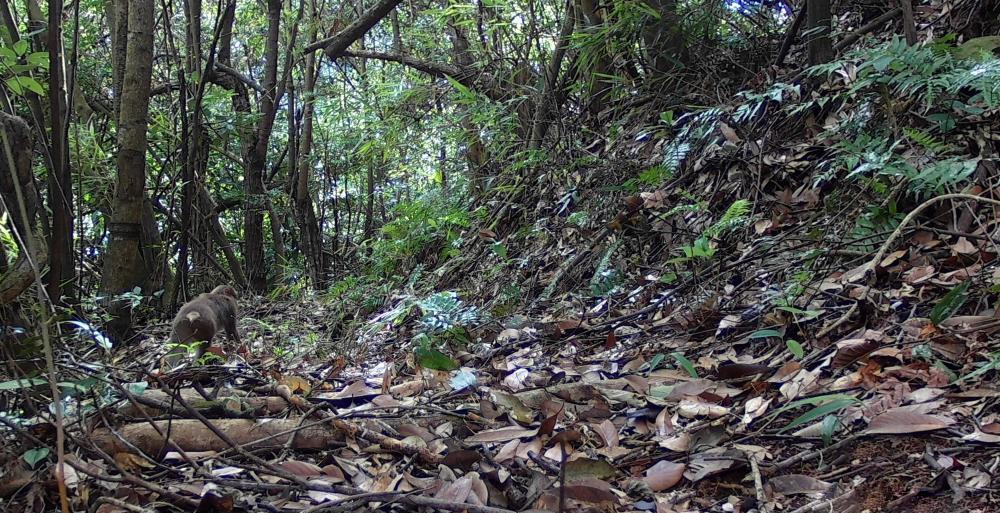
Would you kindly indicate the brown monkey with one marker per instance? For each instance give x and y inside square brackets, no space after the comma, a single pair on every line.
[200,319]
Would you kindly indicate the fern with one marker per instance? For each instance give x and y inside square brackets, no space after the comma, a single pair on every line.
[736,216]
[930,143]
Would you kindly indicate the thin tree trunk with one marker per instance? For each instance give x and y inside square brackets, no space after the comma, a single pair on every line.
[61,268]
[124,266]
[540,124]
[309,228]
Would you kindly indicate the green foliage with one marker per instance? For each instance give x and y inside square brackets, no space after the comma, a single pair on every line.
[17,66]
[950,303]
[874,225]
[606,279]
[433,221]
[444,311]
[651,177]
[735,217]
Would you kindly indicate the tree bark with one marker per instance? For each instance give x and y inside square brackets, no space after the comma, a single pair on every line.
[335,45]
[818,16]
[305,213]
[909,27]
[124,265]
[17,189]
[61,268]
[256,159]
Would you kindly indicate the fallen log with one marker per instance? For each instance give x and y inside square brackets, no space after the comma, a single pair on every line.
[194,436]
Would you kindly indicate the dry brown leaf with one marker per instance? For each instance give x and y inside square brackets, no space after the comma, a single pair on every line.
[608,432]
[664,475]
[904,420]
[795,484]
[589,490]
[297,384]
[301,468]
[132,462]
[504,434]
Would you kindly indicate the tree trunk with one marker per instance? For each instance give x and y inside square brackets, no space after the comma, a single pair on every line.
[18,192]
[662,38]
[61,269]
[540,123]
[818,22]
[124,265]
[256,159]
[305,213]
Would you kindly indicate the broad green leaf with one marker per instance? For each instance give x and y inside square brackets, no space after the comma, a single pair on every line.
[25,83]
[433,359]
[16,384]
[21,47]
[33,456]
[795,348]
[14,86]
[765,334]
[685,364]
[39,59]
[950,303]
[818,412]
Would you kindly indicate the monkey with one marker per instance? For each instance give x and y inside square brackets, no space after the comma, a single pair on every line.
[200,319]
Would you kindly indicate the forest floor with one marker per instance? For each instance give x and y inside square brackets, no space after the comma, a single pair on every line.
[745,333]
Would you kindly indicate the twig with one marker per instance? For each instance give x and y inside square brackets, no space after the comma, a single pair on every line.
[948,477]
[874,261]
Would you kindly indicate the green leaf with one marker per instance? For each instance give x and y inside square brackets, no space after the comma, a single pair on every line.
[765,334]
[829,427]
[499,250]
[14,86]
[21,47]
[7,54]
[818,412]
[137,388]
[808,314]
[685,364]
[40,59]
[33,456]
[433,359]
[16,384]
[988,366]
[656,361]
[20,83]
[795,348]
[950,303]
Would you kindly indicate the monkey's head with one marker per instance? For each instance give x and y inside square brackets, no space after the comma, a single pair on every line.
[225,290]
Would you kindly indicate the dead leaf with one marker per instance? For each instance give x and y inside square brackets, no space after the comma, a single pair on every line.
[504,434]
[904,420]
[608,432]
[664,475]
[589,490]
[796,484]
